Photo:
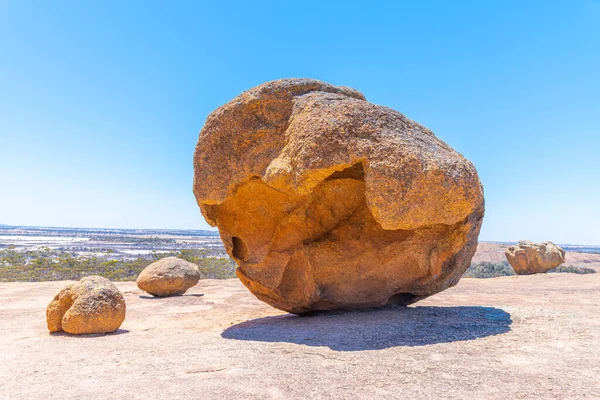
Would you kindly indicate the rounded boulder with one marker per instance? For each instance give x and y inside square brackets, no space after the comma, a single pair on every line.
[326,201]
[92,305]
[528,258]
[169,276]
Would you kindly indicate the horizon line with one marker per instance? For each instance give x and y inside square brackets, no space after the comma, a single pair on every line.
[216,231]
[118,229]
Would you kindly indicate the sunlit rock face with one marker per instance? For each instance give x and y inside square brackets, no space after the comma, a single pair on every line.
[169,276]
[326,201]
[528,258]
[92,305]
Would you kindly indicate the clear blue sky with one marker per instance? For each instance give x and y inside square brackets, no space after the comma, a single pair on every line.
[101,102]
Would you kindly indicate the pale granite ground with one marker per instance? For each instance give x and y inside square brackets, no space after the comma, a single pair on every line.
[524,337]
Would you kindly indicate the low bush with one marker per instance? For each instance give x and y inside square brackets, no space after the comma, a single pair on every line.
[486,269]
[51,265]
[572,270]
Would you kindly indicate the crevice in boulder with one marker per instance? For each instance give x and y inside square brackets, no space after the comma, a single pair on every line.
[401,299]
[355,171]
[240,249]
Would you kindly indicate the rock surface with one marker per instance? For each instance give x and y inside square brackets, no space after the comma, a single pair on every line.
[327,201]
[225,344]
[169,276]
[528,258]
[93,305]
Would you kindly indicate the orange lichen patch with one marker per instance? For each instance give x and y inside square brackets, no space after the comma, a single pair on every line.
[93,305]
[342,204]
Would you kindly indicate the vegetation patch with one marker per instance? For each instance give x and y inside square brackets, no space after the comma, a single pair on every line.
[486,269]
[572,270]
[46,264]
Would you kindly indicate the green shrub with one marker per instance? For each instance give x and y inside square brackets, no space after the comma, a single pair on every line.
[50,265]
[486,269]
[572,270]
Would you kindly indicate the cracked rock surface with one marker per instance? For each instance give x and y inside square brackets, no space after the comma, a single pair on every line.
[326,201]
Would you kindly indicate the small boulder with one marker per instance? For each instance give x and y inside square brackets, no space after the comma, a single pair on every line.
[169,276]
[92,305]
[528,258]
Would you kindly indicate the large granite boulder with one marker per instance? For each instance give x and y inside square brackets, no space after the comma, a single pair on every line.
[326,201]
[169,276]
[528,258]
[92,305]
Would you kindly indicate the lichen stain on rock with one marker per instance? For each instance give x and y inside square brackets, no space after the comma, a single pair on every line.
[326,201]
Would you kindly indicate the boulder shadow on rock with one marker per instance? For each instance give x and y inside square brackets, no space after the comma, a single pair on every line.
[90,335]
[150,297]
[376,329]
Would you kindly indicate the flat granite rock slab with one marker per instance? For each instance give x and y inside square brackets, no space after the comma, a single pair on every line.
[530,337]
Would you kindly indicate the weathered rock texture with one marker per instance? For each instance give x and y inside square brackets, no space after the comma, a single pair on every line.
[169,276]
[93,305]
[327,201]
[528,258]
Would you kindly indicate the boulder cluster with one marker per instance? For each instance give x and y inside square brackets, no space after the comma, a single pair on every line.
[95,304]
[326,201]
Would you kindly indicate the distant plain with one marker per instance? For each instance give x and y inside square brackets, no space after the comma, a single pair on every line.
[131,244]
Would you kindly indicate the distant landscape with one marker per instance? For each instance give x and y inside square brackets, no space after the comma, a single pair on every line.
[32,254]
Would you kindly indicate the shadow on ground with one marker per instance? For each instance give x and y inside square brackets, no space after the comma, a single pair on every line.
[90,335]
[147,297]
[376,329]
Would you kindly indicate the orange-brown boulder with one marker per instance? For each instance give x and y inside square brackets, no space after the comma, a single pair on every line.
[528,258]
[169,276]
[326,201]
[92,305]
